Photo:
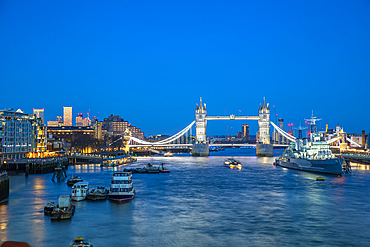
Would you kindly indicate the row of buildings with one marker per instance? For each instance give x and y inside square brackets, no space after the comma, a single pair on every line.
[25,135]
[67,118]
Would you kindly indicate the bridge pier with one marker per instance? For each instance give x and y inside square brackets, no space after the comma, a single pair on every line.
[264,150]
[200,149]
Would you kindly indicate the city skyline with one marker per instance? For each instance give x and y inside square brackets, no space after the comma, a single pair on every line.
[151,67]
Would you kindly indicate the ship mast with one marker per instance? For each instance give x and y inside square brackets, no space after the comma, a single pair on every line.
[312,121]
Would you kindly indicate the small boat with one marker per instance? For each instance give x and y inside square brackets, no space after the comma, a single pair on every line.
[79,191]
[79,242]
[163,169]
[152,169]
[142,170]
[136,170]
[72,180]
[49,208]
[15,244]
[64,210]
[238,166]
[168,154]
[149,168]
[132,170]
[231,161]
[98,193]
[121,188]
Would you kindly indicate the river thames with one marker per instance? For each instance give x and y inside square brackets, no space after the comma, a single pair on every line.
[200,203]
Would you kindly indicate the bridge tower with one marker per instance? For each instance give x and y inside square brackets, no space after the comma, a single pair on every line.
[263,147]
[264,123]
[201,122]
[200,148]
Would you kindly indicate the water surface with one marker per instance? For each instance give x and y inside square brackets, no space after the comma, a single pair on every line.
[200,203]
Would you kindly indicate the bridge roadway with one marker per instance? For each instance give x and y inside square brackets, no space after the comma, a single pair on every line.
[211,145]
[232,117]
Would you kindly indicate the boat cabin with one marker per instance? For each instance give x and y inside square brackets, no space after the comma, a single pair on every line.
[79,191]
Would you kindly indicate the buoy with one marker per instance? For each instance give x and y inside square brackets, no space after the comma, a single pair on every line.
[320,179]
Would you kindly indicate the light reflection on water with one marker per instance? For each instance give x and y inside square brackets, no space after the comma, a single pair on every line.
[200,203]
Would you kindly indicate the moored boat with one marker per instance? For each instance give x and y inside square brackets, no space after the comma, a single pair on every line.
[79,242]
[48,208]
[163,169]
[64,210]
[15,244]
[132,170]
[314,156]
[149,168]
[152,169]
[79,191]
[121,188]
[72,180]
[98,193]
[136,170]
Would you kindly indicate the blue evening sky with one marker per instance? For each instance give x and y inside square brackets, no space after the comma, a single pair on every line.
[151,61]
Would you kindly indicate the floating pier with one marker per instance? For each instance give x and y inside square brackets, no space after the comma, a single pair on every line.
[35,166]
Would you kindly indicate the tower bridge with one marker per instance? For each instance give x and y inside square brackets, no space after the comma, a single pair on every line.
[263,147]
[201,147]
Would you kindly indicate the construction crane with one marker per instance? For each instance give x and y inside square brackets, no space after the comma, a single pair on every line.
[275,115]
[276,122]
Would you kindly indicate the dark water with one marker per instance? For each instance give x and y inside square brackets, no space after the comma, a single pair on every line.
[200,203]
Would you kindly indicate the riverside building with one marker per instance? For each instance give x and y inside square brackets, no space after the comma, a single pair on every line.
[21,135]
[115,125]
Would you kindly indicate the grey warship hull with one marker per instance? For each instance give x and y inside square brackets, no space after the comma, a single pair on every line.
[327,166]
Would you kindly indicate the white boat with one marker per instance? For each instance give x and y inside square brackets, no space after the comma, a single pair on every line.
[232,163]
[121,188]
[79,191]
[168,154]
[97,193]
[79,242]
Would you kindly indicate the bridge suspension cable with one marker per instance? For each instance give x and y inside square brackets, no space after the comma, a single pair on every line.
[178,135]
[282,132]
[354,143]
[167,140]
[339,137]
[333,140]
